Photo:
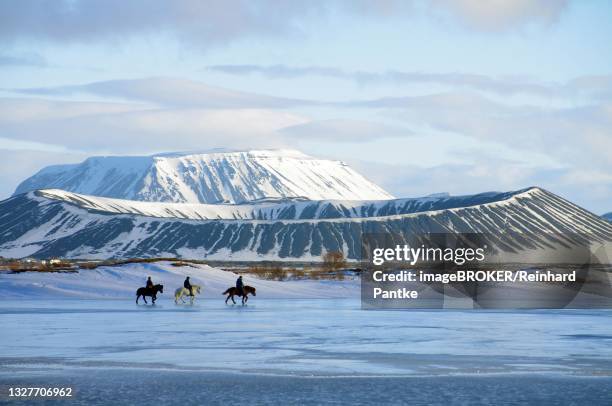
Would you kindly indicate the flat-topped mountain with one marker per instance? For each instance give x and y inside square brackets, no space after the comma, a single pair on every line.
[209,177]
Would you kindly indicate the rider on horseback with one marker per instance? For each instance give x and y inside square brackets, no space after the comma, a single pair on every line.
[187,285]
[149,284]
[240,286]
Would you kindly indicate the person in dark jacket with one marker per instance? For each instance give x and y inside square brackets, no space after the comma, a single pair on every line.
[187,285]
[240,286]
[149,283]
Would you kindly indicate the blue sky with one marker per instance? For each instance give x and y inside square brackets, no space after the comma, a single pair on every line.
[460,96]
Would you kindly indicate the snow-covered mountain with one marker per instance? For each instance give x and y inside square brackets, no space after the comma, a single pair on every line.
[52,223]
[211,177]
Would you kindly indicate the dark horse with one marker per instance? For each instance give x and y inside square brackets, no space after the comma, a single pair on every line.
[231,292]
[149,292]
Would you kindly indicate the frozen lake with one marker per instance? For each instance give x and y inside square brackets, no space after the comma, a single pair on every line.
[289,346]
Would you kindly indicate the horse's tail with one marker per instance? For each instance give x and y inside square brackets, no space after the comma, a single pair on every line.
[227,291]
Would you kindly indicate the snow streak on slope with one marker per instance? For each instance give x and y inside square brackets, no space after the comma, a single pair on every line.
[217,177]
[528,220]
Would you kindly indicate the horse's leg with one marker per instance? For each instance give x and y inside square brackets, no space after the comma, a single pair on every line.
[233,299]
[144,298]
[226,299]
[137,299]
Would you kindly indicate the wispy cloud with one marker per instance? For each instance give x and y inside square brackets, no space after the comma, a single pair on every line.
[119,128]
[575,135]
[22,59]
[169,92]
[586,86]
[344,130]
[194,110]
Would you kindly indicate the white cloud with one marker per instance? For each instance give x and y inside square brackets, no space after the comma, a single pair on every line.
[145,130]
[14,110]
[343,130]
[589,190]
[576,135]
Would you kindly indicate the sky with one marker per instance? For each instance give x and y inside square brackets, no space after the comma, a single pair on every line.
[422,97]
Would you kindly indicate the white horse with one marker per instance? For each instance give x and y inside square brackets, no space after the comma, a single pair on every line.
[180,293]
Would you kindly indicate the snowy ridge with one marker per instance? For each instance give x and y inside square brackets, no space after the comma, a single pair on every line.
[285,210]
[214,177]
[532,219]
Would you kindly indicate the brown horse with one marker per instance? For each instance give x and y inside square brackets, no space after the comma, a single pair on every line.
[231,292]
[149,292]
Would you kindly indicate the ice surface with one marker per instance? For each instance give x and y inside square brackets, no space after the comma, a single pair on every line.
[302,337]
[165,387]
[304,351]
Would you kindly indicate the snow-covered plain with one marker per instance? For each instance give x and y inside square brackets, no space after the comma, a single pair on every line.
[121,282]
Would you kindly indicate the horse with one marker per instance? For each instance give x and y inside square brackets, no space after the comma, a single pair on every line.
[149,292]
[231,292]
[182,292]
